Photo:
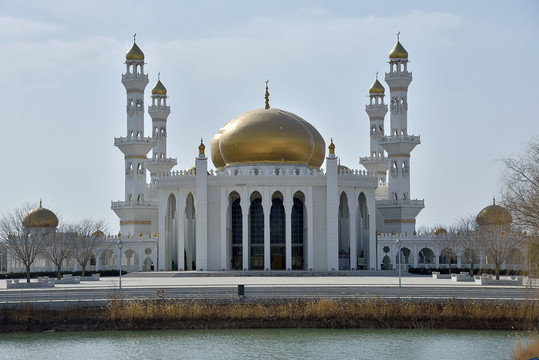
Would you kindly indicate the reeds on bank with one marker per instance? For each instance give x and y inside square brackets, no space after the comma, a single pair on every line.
[146,314]
[376,313]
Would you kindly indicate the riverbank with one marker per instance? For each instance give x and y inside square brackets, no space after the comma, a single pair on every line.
[323,313]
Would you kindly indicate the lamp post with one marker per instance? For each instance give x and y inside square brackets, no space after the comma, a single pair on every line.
[398,242]
[120,244]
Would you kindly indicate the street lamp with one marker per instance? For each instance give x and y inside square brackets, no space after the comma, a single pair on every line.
[120,244]
[398,242]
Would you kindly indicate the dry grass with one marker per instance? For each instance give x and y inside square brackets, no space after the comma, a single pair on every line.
[526,349]
[324,313]
[334,313]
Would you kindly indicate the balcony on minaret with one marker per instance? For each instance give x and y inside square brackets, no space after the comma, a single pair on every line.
[400,144]
[134,76]
[134,145]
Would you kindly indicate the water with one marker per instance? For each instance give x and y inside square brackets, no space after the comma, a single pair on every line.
[260,344]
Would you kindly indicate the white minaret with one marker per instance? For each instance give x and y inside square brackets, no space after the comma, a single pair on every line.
[399,211]
[377,110]
[136,211]
[159,111]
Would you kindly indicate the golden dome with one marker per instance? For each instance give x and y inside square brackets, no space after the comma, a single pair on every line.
[398,51]
[494,215]
[40,218]
[376,88]
[440,231]
[159,88]
[98,233]
[267,136]
[134,53]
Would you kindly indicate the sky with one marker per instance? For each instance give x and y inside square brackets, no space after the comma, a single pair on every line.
[474,99]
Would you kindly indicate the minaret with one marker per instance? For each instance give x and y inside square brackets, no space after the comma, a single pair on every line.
[377,110]
[399,211]
[159,111]
[135,211]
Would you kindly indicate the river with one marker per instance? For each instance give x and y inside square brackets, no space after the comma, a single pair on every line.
[261,344]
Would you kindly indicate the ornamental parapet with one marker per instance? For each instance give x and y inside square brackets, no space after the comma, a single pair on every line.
[402,138]
[399,75]
[130,76]
[403,202]
[127,204]
[125,140]
[372,159]
[162,161]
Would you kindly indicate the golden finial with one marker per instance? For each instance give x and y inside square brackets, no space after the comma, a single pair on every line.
[134,37]
[201,147]
[398,36]
[332,148]
[267,95]
[159,76]
[493,200]
[40,203]
[377,75]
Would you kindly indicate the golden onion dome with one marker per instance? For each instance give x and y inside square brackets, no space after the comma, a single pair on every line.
[40,218]
[134,53]
[440,231]
[376,88]
[398,51]
[98,233]
[267,136]
[494,215]
[159,88]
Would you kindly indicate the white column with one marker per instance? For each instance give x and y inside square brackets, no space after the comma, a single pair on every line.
[371,210]
[201,207]
[353,227]
[162,214]
[310,230]
[266,206]
[416,256]
[245,204]
[180,226]
[288,204]
[332,224]
[140,254]
[97,261]
[224,209]
[8,260]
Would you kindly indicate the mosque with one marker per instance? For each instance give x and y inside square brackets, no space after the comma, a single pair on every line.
[267,204]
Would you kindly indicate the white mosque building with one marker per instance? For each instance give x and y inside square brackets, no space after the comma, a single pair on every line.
[266,204]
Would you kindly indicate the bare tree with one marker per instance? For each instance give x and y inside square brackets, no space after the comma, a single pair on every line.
[87,239]
[521,186]
[467,241]
[58,248]
[22,243]
[500,243]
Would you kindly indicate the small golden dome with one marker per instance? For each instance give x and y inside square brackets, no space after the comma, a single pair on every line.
[494,215]
[159,88]
[40,218]
[98,233]
[201,147]
[440,231]
[376,88]
[134,53]
[267,136]
[331,147]
[398,51]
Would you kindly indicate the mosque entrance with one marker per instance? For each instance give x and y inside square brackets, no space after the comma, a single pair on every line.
[277,234]
[256,232]
[190,235]
[236,235]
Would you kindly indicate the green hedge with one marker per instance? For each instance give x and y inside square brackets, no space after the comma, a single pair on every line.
[424,271]
[52,274]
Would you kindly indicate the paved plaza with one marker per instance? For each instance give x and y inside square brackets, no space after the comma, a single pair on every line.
[224,287]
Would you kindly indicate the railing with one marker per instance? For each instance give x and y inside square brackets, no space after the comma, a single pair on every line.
[133,139]
[400,202]
[121,204]
[401,138]
[134,76]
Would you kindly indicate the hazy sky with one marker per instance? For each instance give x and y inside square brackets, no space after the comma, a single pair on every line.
[474,98]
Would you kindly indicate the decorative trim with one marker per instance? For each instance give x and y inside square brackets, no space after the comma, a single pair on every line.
[135,222]
[135,157]
[396,221]
[398,89]
[398,155]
